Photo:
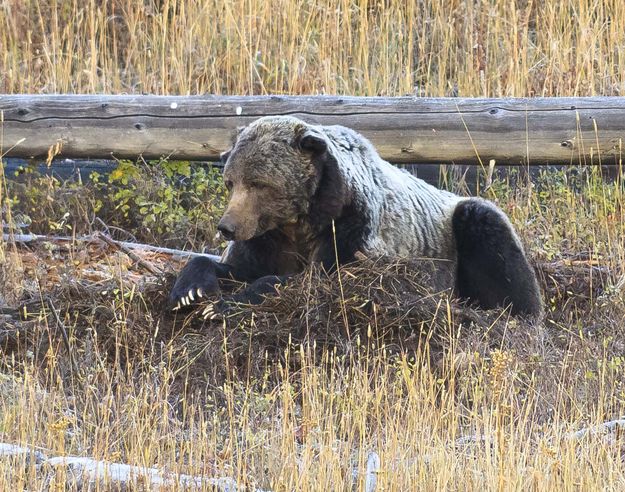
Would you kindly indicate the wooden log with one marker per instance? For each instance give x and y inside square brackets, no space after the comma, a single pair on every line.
[89,473]
[403,129]
[609,431]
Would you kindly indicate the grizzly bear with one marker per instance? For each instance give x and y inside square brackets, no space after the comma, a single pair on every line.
[302,193]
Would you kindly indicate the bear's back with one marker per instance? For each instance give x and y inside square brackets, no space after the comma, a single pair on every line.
[408,216]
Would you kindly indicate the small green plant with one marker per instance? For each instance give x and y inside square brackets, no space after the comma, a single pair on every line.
[173,203]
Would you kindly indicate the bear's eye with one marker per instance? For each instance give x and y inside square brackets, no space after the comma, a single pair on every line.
[258,185]
[228,184]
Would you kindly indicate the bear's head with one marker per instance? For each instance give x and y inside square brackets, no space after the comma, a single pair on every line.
[279,170]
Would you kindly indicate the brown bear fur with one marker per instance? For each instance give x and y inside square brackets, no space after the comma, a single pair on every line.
[304,193]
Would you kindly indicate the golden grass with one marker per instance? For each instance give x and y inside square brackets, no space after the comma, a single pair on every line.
[305,428]
[369,47]
[147,395]
[309,436]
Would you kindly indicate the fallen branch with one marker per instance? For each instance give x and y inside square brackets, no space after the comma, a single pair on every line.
[30,455]
[549,267]
[610,430]
[31,238]
[140,261]
[559,266]
[88,472]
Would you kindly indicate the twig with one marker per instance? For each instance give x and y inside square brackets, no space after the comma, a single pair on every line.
[61,327]
[572,265]
[117,245]
[169,251]
[107,229]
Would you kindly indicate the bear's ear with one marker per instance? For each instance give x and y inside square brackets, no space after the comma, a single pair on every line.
[331,193]
[236,134]
[311,141]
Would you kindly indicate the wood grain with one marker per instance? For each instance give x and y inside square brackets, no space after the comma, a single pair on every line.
[403,129]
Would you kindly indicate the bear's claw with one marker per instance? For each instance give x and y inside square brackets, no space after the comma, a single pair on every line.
[209,312]
[196,280]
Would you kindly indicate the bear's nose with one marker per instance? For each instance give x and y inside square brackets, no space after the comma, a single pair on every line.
[227,229]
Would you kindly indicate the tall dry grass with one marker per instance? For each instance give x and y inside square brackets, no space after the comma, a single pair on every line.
[309,436]
[146,391]
[367,47]
[305,429]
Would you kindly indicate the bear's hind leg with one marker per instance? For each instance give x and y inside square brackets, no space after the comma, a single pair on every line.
[492,268]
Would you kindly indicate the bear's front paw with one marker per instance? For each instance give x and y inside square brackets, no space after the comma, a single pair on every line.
[197,279]
[223,308]
[215,310]
[186,300]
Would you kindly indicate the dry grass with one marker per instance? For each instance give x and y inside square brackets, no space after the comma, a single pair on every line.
[291,395]
[371,47]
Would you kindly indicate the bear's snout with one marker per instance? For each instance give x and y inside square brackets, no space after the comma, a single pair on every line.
[240,220]
[226,228]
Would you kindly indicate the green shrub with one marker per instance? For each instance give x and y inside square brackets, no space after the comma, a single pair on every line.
[173,203]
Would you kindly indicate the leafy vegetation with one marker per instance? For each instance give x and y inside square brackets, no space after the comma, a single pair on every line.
[171,203]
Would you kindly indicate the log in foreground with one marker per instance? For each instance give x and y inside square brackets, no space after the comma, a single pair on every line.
[84,473]
[89,473]
[403,129]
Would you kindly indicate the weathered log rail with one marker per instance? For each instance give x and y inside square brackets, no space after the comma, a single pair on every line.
[403,129]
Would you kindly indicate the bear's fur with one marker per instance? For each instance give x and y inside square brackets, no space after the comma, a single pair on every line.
[304,193]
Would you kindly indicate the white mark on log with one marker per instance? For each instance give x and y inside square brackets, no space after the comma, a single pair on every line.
[173,105]
[239,110]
